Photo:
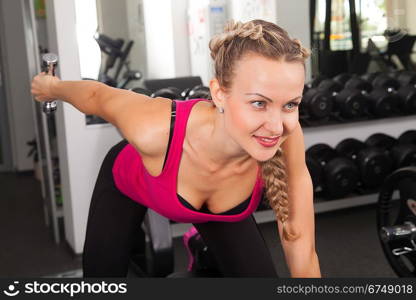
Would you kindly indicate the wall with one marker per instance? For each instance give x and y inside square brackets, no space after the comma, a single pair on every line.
[17,83]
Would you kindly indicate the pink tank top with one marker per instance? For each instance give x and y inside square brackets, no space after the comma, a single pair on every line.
[159,192]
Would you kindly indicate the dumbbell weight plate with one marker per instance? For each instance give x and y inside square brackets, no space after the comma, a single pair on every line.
[382,103]
[317,104]
[407,95]
[172,93]
[374,165]
[381,140]
[350,147]
[322,153]
[407,137]
[351,103]
[403,155]
[341,176]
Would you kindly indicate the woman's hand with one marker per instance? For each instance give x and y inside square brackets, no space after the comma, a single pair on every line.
[42,87]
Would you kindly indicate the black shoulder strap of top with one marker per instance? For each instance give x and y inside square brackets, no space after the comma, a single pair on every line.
[172,125]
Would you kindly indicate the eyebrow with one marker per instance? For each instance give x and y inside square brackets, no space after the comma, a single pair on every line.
[270,100]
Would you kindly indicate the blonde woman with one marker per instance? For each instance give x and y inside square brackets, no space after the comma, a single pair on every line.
[206,162]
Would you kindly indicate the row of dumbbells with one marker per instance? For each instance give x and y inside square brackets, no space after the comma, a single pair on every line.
[174,93]
[349,97]
[358,167]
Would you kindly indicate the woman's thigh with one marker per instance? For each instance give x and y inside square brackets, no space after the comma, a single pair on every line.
[114,222]
[238,248]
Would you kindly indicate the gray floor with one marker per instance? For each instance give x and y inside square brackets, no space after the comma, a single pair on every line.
[346,240]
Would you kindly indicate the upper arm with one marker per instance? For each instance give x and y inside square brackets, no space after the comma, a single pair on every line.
[300,193]
[143,121]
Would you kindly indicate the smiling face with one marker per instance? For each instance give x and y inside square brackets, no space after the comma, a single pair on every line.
[262,102]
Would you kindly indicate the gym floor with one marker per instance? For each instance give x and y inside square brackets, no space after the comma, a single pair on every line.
[346,240]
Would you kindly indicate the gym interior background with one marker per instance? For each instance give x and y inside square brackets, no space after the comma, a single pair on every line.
[357,114]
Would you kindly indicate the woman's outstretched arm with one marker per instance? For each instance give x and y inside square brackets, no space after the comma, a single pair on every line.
[142,120]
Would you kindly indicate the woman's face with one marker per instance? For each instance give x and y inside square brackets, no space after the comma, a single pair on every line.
[263,103]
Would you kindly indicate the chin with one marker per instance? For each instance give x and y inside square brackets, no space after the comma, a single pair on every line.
[263,155]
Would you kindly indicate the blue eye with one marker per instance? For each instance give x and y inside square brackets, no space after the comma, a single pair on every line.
[256,106]
[295,104]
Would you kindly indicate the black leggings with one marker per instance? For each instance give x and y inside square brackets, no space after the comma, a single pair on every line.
[114,221]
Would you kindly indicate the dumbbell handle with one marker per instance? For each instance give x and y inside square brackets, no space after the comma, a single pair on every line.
[50,61]
[398,232]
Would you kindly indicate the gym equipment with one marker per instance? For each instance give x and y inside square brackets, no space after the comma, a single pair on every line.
[153,251]
[407,91]
[396,221]
[348,102]
[49,64]
[172,93]
[198,92]
[314,83]
[374,163]
[316,172]
[200,259]
[316,105]
[402,154]
[384,100]
[407,137]
[340,174]
[113,48]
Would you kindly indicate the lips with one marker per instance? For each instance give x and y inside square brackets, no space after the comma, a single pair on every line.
[267,141]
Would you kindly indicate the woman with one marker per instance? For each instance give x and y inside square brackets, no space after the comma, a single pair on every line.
[218,155]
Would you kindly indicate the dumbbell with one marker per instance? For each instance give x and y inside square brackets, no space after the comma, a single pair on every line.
[315,81]
[340,174]
[407,137]
[407,91]
[197,92]
[315,104]
[172,93]
[49,64]
[349,102]
[374,163]
[384,99]
[402,154]
[316,172]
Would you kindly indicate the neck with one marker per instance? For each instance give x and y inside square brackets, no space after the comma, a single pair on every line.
[215,146]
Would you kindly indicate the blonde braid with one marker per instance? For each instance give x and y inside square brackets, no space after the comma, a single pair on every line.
[275,181]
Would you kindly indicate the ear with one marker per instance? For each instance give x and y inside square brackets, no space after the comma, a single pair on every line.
[218,95]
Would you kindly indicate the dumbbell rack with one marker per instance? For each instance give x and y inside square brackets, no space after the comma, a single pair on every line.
[332,134]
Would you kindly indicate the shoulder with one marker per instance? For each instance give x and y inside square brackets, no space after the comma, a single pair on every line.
[150,136]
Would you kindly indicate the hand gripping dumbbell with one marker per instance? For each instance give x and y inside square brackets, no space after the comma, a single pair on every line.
[49,63]
[374,164]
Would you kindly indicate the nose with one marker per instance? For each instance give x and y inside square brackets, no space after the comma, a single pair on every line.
[274,124]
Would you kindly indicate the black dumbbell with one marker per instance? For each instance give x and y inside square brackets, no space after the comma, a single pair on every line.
[316,172]
[316,104]
[316,80]
[349,102]
[172,93]
[384,98]
[407,137]
[402,154]
[199,92]
[340,174]
[407,91]
[374,163]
